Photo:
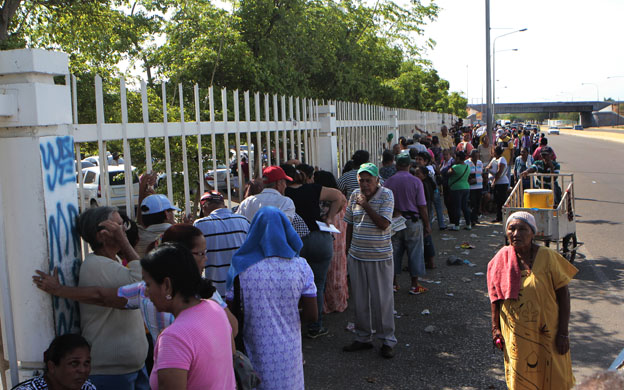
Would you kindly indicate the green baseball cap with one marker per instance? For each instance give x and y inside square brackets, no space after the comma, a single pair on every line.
[369,168]
[403,159]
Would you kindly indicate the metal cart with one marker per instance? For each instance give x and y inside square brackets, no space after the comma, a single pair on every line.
[556,224]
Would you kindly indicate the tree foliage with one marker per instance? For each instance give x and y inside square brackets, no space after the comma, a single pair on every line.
[327,49]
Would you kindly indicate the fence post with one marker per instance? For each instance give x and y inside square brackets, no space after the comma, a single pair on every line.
[392,116]
[327,142]
[38,203]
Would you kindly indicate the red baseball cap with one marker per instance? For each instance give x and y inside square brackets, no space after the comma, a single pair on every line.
[273,174]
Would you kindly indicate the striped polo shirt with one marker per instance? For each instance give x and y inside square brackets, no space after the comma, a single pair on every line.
[369,243]
[225,232]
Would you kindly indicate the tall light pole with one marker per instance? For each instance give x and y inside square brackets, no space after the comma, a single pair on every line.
[597,90]
[488,72]
[494,64]
[494,76]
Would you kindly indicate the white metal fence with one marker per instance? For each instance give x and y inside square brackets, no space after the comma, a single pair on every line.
[268,129]
[178,132]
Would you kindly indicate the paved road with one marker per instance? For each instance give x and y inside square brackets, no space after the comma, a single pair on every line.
[597,333]
[458,354]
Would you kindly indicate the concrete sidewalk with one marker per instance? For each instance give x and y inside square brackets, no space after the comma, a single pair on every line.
[456,354]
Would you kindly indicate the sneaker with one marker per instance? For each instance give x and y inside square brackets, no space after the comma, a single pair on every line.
[314,333]
[468,227]
[454,228]
[387,351]
[357,346]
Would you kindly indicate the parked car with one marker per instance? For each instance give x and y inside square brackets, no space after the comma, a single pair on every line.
[553,130]
[92,190]
[577,127]
[222,172]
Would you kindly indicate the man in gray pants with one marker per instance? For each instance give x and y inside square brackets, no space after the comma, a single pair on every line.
[369,252]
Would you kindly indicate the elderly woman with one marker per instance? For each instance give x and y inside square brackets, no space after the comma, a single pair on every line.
[195,352]
[269,280]
[67,366]
[118,357]
[530,302]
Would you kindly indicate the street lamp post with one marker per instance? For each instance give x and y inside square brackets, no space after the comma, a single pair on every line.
[494,76]
[494,66]
[597,90]
[488,72]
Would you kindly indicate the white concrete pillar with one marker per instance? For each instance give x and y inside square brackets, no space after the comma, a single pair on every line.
[327,143]
[38,195]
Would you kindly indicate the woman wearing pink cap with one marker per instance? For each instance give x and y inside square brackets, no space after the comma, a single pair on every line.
[530,301]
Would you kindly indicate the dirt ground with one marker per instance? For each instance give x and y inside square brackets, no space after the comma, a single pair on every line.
[458,354]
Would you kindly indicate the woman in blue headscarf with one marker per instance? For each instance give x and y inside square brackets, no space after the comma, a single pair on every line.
[271,280]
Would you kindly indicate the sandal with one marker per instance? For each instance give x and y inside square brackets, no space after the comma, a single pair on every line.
[418,290]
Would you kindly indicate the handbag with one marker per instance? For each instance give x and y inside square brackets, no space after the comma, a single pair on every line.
[472,179]
[246,377]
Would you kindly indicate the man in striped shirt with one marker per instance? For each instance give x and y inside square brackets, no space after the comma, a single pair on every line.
[225,232]
[369,250]
[348,182]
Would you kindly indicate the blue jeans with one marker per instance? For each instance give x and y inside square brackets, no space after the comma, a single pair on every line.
[409,239]
[437,202]
[318,250]
[137,380]
[460,200]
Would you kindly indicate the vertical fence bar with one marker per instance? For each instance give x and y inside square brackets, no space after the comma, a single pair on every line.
[292,127]
[226,145]
[258,132]
[283,128]
[126,150]
[200,158]
[81,199]
[304,117]
[145,109]
[298,112]
[187,202]
[267,135]
[276,120]
[167,150]
[249,143]
[317,130]
[213,139]
[99,114]
[238,141]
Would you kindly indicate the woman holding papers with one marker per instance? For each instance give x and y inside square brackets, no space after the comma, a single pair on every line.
[318,246]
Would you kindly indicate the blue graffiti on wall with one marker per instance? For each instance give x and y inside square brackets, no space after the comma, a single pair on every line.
[58,163]
[57,157]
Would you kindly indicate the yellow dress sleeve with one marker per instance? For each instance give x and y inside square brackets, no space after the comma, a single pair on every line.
[561,271]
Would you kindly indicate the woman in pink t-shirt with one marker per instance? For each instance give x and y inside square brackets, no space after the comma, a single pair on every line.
[195,352]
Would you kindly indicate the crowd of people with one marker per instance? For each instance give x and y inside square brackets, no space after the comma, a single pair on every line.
[196,299]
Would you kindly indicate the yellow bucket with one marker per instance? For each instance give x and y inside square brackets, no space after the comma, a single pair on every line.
[538,199]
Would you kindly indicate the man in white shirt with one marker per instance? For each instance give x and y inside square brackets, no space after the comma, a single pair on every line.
[272,195]
[157,216]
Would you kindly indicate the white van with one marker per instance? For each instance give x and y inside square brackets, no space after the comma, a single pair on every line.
[93,194]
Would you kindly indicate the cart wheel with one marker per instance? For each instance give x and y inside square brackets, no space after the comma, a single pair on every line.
[569,242]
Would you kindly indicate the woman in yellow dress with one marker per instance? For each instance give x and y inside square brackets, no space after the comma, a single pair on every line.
[530,302]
